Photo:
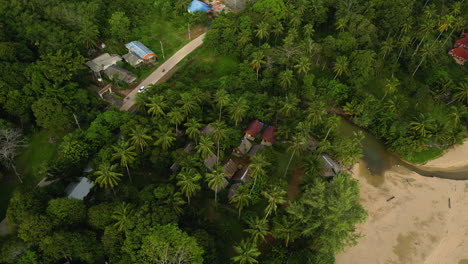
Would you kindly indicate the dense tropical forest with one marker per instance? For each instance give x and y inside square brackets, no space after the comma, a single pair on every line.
[301,66]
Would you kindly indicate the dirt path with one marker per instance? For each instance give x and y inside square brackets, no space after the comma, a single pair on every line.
[158,74]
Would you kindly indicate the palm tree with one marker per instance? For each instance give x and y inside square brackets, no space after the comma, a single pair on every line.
[122,214]
[176,117]
[390,86]
[289,105]
[257,168]
[315,112]
[216,180]
[175,202]
[426,51]
[245,36]
[386,47]
[298,142]
[274,197]
[341,23]
[286,228]
[238,109]
[422,124]
[188,182]
[241,199]
[187,103]
[446,22]
[341,66]
[308,30]
[303,65]
[277,30]
[107,176]
[219,133]
[205,147]
[257,61]
[247,253]
[88,34]
[461,94]
[286,78]
[258,229]
[157,105]
[125,153]
[193,129]
[139,137]
[457,113]
[222,99]
[296,21]
[263,30]
[165,138]
[404,43]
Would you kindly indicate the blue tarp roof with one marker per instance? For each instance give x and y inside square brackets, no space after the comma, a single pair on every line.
[139,49]
[199,6]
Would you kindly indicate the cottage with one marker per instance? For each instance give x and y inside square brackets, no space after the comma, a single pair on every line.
[103,62]
[107,88]
[138,54]
[230,168]
[255,149]
[242,176]
[243,148]
[199,6]
[268,137]
[79,190]
[119,73]
[253,129]
[459,54]
[331,168]
[207,130]
[210,161]
[462,42]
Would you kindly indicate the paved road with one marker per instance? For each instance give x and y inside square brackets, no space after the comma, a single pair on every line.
[158,73]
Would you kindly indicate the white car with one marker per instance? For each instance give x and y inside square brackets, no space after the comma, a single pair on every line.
[141,89]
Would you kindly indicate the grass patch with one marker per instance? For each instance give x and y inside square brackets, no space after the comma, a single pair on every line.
[424,156]
[29,163]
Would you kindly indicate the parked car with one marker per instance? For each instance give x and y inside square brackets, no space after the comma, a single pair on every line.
[141,89]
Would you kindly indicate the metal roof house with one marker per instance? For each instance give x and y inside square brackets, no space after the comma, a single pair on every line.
[331,168]
[119,73]
[140,50]
[199,6]
[103,62]
[79,190]
[132,59]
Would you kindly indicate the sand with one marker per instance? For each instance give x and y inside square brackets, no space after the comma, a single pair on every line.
[417,226]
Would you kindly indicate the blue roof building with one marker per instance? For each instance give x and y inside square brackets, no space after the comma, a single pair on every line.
[199,6]
[140,50]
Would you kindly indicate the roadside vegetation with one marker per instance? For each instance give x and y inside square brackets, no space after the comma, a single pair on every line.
[294,65]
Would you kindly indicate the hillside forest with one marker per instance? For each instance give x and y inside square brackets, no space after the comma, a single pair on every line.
[301,66]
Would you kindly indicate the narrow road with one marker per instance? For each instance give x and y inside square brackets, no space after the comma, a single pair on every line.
[155,76]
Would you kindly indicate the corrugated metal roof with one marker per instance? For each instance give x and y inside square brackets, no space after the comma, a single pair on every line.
[79,190]
[140,50]
[199,6]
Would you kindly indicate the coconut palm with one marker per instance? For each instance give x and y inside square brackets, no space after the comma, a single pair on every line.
[176,117]
[247,253]
[122,215]
[426,52]
[277,30]
[303,65]
[404,43]
[222,99]
[88,34]
[286,228]
[390,86]
[205,147]
[457,113]
[125,153]
[386,46]
[422,124]
[187,103]
[308,30]
[263,30]
[107,177]
[289,105]
[286,78]
[257,168]
[461,92]
[297,143]
[216,180]
[257,61]
[157,105]
[315,112]
[220,132]
[139,137]
[188,180]
[193,129]
[241,199]
[341,23]
[274,198]
[258,229]
[238,109]
[341,66]
[165,138]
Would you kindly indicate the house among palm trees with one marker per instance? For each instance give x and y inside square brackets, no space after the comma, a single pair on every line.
[331,168]
[255,149]
[229,168]
[243,148]
[269,137]
[114,72]
[253,129]
[79,190]
[210,161]
[207,130]
[102,62]
[139,54]
[460,51]
[240,177]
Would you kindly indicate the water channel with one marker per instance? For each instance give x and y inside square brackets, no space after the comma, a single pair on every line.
[377,159]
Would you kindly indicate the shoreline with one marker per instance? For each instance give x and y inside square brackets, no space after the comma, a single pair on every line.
[423,223]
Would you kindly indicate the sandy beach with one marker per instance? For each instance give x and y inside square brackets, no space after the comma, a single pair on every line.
[425,222]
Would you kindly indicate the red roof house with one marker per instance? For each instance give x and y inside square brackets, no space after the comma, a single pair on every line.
[460,55]
[462,42]
[253,130]
[268,136]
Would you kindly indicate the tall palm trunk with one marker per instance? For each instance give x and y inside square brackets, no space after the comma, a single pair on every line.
[417,67]
[220,109]
[289,163]
[16,173]
[417,48]
[129,175]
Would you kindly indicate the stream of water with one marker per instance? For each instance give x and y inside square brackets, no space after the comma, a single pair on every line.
[377,159]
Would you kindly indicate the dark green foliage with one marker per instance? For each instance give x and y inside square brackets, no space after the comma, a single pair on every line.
[66,211]
[99,216]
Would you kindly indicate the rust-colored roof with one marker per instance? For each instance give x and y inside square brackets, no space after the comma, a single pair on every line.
[230,168]
[103,90]
[254,128]
[459,53]
[463,42]
[269,134]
